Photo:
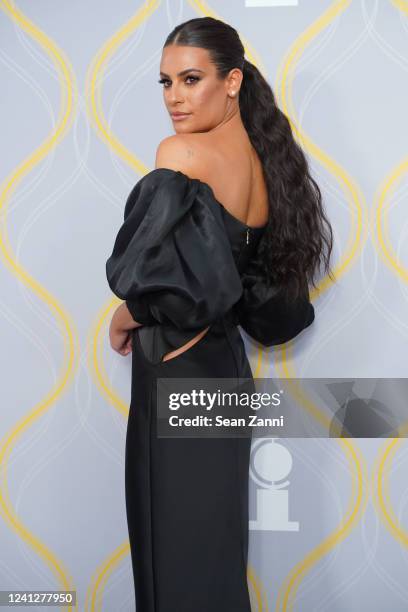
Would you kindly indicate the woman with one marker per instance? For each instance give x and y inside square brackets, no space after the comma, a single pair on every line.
[227,229]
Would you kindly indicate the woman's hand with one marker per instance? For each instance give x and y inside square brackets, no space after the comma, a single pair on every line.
[121,341]
[120,330]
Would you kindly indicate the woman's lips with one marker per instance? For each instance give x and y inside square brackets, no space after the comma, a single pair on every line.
[177,117]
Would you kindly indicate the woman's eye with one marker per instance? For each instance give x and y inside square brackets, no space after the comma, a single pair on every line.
[165,81]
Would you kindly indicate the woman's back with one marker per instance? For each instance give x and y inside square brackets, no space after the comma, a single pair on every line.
[228,163]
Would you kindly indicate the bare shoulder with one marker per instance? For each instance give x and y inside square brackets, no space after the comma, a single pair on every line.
[184,152]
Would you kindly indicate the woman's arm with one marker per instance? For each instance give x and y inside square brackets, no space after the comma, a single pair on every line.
[121,325]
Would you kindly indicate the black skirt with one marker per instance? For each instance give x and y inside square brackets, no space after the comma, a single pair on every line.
[187,498]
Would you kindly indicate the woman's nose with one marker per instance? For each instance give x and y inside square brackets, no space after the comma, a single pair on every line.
[175,95]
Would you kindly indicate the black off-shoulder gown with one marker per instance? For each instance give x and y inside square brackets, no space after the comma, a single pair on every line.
[183,262]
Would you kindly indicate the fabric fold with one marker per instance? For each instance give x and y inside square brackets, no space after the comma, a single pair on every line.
[173,264]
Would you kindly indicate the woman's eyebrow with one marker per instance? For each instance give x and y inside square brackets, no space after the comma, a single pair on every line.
[183,71]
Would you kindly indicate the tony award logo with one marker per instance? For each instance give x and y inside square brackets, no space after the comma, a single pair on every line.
[270,464]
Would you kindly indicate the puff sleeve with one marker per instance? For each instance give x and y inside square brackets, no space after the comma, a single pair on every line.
[266,314]
[171,259]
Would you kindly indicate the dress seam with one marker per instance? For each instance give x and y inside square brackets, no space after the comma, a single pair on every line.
[237,458]
[231,347]
[244,564]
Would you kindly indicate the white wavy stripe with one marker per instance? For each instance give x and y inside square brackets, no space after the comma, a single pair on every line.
[373,563]
[318,45]
[306,348]
[121,168]
[325,302]
[327,72]
[403,21]
[102,188]
[402,243]
[173,21]
[13,580]
[376,564]
[34,52]
[378,303]
[399,194]
[322,78]
[315,468]
[394,587]
[30,438]
[399,201]
[84,410]
[139,71]
[51,452]
[13,320]
[401,509]
[331,449]
[392,53]
[353,579]
[124,52]
[398,461]
[35,339]
[344,322]
[33,434]
[341,323]
[127,85]
[29,189]
[119,579]
[34,178]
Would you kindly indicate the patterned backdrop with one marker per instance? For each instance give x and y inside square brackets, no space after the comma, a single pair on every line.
[81,117]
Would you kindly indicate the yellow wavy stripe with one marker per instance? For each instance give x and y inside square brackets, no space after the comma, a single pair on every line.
[402,5]
[94,81]
[102,575]
[386,250]
[351,190]
[67,326]
[380,481]
[357,504]
[95,360]
[258,590]
[97,117]
[381,493]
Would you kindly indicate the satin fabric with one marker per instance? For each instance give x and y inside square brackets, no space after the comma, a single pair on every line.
[182,261]
[187,499]
[266,314]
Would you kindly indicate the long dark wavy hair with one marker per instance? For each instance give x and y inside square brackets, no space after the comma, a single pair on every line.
[297,243]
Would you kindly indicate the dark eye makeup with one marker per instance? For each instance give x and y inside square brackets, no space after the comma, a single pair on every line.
[163,80]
